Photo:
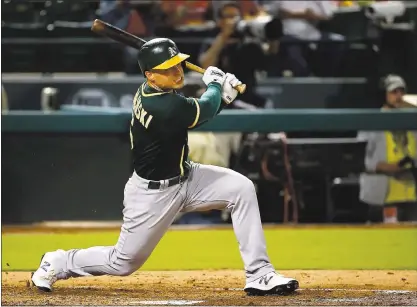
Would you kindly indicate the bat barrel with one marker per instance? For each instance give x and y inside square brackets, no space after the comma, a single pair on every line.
[119,35]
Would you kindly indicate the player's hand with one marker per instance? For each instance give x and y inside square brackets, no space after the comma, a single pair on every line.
[228,92]
[214,74]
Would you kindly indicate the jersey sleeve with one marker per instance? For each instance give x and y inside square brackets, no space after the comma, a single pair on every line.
[194,113]
[188,112]
[185,112]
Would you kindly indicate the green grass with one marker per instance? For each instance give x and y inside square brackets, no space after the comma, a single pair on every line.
[302,248]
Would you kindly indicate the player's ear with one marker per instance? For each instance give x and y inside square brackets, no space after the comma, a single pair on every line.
[149,75]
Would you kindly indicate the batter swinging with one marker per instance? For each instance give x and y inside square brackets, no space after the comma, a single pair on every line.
[164,182]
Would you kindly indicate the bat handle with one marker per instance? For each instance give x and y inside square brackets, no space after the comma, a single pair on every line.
[240,88]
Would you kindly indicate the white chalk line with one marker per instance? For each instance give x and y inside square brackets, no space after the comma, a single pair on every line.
[314,289]
[329,289]
[171,302]
[168,302]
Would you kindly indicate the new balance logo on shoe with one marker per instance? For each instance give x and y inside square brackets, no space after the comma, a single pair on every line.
[265,280]
[45,266]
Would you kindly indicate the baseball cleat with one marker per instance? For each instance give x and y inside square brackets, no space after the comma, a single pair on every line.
[271,284]
[46,275]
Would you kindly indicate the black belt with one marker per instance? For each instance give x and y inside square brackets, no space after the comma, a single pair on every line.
[156,185]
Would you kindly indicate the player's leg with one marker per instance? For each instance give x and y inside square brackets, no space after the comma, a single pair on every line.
[216,188]
[147,215]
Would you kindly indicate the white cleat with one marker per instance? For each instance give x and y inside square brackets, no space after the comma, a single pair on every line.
[47,273]
[271,284]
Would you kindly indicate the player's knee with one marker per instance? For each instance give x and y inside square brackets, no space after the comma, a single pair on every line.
[129,262]
[127,269]
[244,185]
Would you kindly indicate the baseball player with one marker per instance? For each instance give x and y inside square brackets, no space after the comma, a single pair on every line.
[165,182]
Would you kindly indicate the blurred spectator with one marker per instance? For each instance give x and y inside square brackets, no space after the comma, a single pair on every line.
[234,52]
[359,3]
[203,149]
[4,100]
[388,187]
[301,22]
[115,12]
[136,17]
[248,8]
[181,12]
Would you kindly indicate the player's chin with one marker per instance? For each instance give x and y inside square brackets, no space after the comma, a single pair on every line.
[178,83]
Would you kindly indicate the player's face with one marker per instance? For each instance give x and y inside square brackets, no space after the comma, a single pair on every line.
[171,78]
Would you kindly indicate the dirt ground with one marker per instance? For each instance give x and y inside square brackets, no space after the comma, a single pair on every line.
[217,288]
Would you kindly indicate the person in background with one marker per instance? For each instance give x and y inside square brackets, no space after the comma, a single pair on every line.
[136,17]
[248,8]
[4,100]
[301,20]
[181,12]
[233,52]
[388,186]
[139,18]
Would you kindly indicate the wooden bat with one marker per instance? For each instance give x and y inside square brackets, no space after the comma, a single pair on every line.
[107,30]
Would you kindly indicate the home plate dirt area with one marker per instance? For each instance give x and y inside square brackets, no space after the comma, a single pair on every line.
[216,288]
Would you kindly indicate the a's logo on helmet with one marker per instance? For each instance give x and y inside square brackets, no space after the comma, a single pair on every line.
[171,52]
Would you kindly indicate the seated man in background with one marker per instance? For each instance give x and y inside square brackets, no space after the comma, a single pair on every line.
[388,187]
[301,20]
[232,51]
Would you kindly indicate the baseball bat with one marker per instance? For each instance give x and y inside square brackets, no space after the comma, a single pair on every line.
[107,30]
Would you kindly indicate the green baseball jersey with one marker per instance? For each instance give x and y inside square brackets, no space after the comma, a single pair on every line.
[159,131]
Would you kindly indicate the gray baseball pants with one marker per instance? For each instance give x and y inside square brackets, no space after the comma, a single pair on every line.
[148,214]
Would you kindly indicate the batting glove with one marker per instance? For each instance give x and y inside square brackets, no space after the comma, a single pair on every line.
[214,74]
[228,92]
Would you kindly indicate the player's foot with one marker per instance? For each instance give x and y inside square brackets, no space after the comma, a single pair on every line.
[47,273]
[271,284]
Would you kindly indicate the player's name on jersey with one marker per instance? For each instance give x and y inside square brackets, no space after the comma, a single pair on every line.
[139,112]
